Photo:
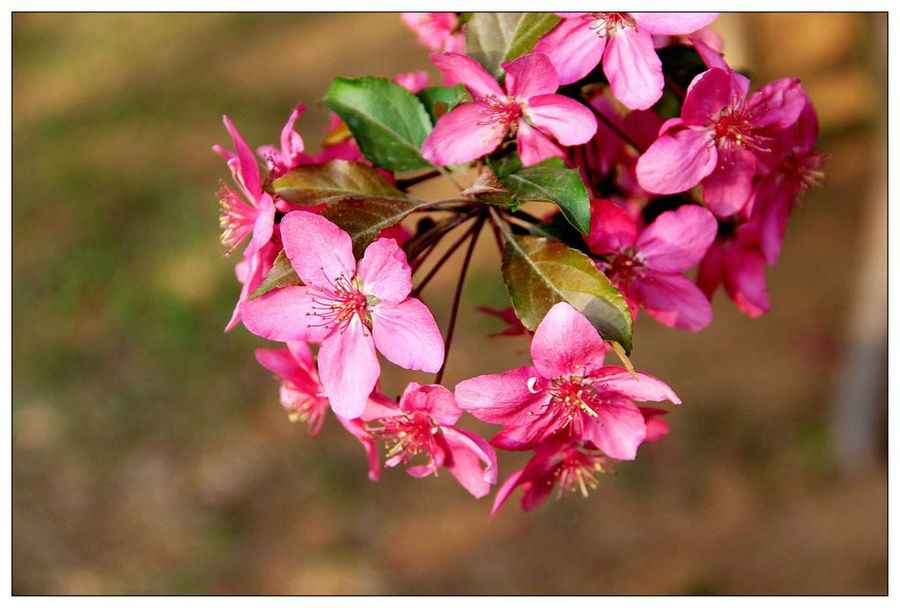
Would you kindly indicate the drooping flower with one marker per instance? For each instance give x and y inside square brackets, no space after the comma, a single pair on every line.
[255,213]
[718,138]
[303,396]
[529,107]
[281,159]
[436,31]
[568,393]
[350,308]
[647,268]
[422,425]
[624,43]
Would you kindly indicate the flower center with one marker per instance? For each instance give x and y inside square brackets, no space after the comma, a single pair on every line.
[406,436]
[236,218]
[572,396]
[734,128]
[338,302]
[579,470]
[304,407]
[606,24]
[496,110]
[801,170]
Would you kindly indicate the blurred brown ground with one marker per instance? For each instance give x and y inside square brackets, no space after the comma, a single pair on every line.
[151,455]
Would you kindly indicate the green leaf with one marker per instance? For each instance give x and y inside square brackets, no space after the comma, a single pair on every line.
[440,100]
[552,181]
[333,181]
[540,272]
[281,274]
[388,122]
[364,220]
[494,38]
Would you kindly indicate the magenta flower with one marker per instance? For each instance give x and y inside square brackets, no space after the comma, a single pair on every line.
[624,42]
[529,107]
[303,396]
[736,263]
[281,159]
[718,138]
[568,393]
[648,269]
[423,424]
[350,309]
[435,31]
[255,213]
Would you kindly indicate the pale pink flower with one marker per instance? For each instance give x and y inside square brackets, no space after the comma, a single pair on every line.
[350,309]
[436,31]
[647,268]
[718,138]
[568,393]
[255,213]
[422,424]
[624,43]
[529,107]
[303,396]
[281,159]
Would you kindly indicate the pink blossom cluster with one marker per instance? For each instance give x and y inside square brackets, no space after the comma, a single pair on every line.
[680,202]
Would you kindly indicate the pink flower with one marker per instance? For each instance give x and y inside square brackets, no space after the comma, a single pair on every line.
[735,262]
[718,138]
[435,31]
[423,424]
[350,309]
[648,269]
[568,393]
[255,213]
[303,396]
[280,160]
[624,42]
[529,107]
[412,81]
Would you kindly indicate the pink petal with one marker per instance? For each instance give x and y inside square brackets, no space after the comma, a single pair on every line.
[356,428]
[468,453]
[247,173]
[566,343]
[657,428]
[529,76]
[380,406]
[745,281]
[385,272]
[263,226]
[501,398]
[319,251]
[633,69]
[565,119]
[534,146]
[412,81]
[613,230]
[573,48]
[771,211]
[678,239]
[349,369]
[529,433]
[673,24]
[505,490]
[463,134]
[710,55]
[644,387]
[433,399]
[619,429]
[677,161]
[406,334]
[283,315]
[281,362]
[778,104]
[706,96]
[303,356]
[251,272]
[461,69]
[674,301]
[728,188]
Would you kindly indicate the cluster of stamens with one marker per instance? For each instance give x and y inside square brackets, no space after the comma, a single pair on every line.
[305,408]
[337,304]
[405,437]
[734,128]
[572,396]
[578,471]
[236,218]
[606,24]
[505,111]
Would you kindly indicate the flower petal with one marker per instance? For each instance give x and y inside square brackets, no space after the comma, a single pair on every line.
[506,489]
[349,369]
[263,226]
[406,334]
[463,134]
[384,271]
[677,161]
[573,48]
[469,452]
[461,69]
[728,188]
[283,315]
[778,104]
[501,398]
[530,75]
[534,146]
[633,69]
[706,96]
[247,171]
[618,430]
[613,230]
[745,280]
[433,399]
[678,239]
[319,251]
[356,428]
[566,343]
[673,24]
[673,300]
[640,386]
[565,119]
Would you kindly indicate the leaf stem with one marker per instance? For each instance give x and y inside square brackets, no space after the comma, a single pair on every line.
[454,308]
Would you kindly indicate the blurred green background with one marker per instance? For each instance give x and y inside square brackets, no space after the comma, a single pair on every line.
[151,454]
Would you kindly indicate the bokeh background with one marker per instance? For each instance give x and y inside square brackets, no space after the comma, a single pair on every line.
[151,454]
